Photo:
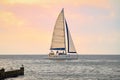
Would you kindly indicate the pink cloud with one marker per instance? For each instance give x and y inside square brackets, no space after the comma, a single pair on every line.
[9,21]
[48,3]
[29,24]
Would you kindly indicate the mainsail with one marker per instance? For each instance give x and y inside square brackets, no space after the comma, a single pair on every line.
[58,40]
[62,39]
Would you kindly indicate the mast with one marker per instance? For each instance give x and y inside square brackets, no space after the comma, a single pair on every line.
[64,28]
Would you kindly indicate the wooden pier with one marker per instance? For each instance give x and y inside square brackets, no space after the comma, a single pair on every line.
[9,74]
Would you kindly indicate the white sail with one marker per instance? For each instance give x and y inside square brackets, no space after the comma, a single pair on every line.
[58,40]
[62,40]
[70,47]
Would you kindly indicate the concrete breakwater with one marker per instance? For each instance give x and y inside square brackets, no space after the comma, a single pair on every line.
[9,74]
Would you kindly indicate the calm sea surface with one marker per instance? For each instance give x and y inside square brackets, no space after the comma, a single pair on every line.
[87,67]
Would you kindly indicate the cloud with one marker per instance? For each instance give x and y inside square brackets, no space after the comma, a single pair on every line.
[9,21]
[27,24]
[29,41]
[18,35]
[12,2]
[49,3]
[97,43]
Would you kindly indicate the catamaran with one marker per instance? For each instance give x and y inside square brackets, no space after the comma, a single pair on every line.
[62,46]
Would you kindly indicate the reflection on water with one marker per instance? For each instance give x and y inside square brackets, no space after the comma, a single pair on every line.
[85,68]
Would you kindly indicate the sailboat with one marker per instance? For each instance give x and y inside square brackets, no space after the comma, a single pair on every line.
[62,46]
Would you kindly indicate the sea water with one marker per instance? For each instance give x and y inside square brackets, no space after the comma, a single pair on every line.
[87,67]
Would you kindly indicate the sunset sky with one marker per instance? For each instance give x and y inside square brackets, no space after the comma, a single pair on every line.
[26,26]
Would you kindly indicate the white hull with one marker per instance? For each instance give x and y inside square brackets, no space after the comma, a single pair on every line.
[63,57]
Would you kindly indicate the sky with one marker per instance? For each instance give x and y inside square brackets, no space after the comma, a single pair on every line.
[26,26]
